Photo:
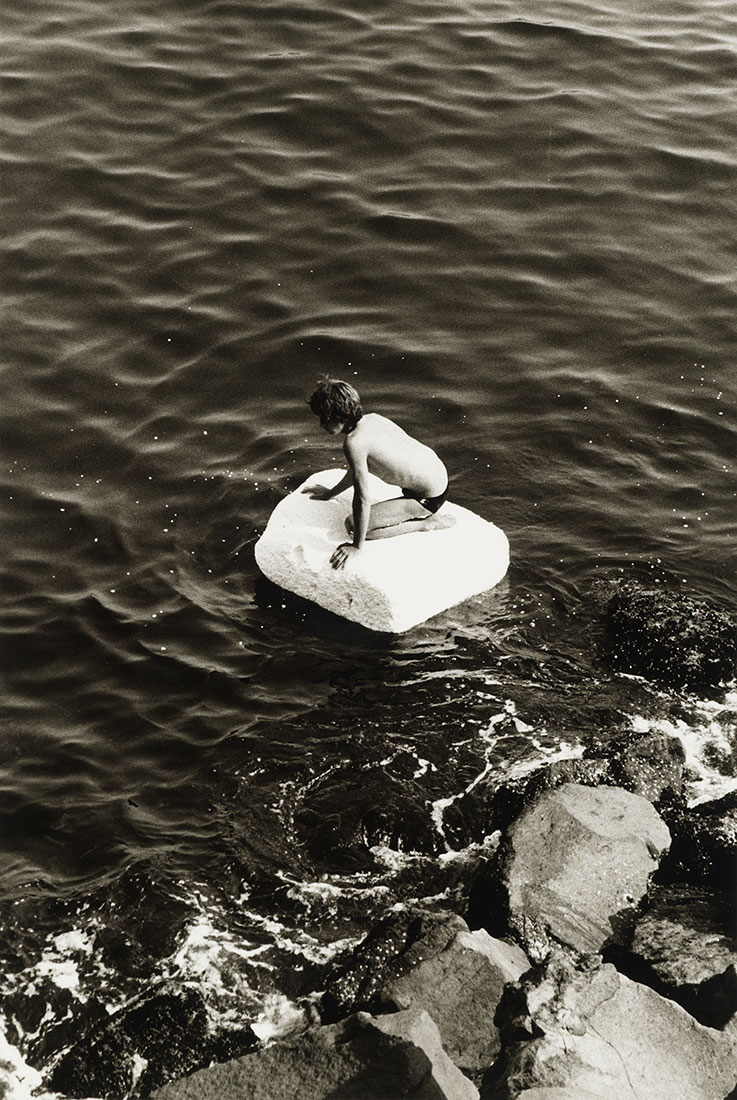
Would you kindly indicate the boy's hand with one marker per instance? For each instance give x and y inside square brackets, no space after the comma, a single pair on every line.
[342,553]
[318,492]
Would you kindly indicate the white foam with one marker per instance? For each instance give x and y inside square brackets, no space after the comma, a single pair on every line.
[18,1081]
[279,1017]
[709,738]
[393,584]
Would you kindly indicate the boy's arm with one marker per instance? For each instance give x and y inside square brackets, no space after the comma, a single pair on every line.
[361,509]
[321,492]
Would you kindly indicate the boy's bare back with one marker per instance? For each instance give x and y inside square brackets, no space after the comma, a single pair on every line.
[395,456]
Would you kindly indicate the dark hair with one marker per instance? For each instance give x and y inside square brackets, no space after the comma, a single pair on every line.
[336,400]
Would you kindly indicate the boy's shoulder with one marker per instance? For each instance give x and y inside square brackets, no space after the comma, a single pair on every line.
[359,440]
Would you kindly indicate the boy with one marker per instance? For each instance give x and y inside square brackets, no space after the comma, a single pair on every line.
[374,444]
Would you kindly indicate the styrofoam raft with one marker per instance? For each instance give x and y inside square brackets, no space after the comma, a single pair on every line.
[393,584]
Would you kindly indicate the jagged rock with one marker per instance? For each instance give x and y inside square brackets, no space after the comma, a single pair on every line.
[684,945]
[392,948]
[704,842]
[142,1046]
[361,1058]
[587,1029]
[393,584]
[576,864]
[650,764]
[510,799]
[430,960]
[461,988]
[668,637]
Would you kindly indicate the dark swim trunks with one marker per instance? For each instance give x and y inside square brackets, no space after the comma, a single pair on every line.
[432,504]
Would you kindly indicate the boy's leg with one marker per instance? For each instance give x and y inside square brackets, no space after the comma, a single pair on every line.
[400,516]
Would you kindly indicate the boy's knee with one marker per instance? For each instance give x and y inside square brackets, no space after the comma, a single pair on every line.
[349,525]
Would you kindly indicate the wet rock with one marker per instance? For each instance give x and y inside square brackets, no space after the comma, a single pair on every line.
[433,962]
[649,764]
[141,1047]
[575,865]
[509,800]
[396,944]
[148,920]
[668,637]
[460,988]
[28,1013]
[361,1058]
[685,947]
[584,1028]
[704,843]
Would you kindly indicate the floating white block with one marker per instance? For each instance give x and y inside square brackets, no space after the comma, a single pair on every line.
[393,584]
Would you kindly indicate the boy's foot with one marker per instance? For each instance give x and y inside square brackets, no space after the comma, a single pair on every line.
[432,523]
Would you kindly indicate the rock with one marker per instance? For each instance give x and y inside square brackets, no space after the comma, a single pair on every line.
[361,1058]
[431,961]
[460,988]
[650,764]
[584,1028]
[576,864]
[393,584]
[668,637]
[510,799]
[647,763]
[704,842]
[142,1046]
[392,948]
[684,946]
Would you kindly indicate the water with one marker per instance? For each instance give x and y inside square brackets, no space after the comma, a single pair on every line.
[509,227]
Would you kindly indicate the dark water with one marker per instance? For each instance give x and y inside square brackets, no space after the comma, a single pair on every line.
[512,227]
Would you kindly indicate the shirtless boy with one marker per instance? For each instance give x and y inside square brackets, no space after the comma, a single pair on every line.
[374,444]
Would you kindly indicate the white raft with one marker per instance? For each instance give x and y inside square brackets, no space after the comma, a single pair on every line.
[393,584]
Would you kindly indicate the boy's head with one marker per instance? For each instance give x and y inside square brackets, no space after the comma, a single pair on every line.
[337,404]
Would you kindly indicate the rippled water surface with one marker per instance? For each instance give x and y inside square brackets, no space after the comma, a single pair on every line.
[512,227]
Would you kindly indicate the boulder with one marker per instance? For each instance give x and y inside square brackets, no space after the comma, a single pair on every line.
[669,637]
[576,864]
[704,842]
[430,960]
[685,946]
[361,1058]
[461,988]
[649,763]
[583,1028]
[393,946]
[144,1045]
[393,584]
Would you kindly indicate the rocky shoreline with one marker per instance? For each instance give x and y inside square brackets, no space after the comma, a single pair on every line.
[608,983]
[592,956]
